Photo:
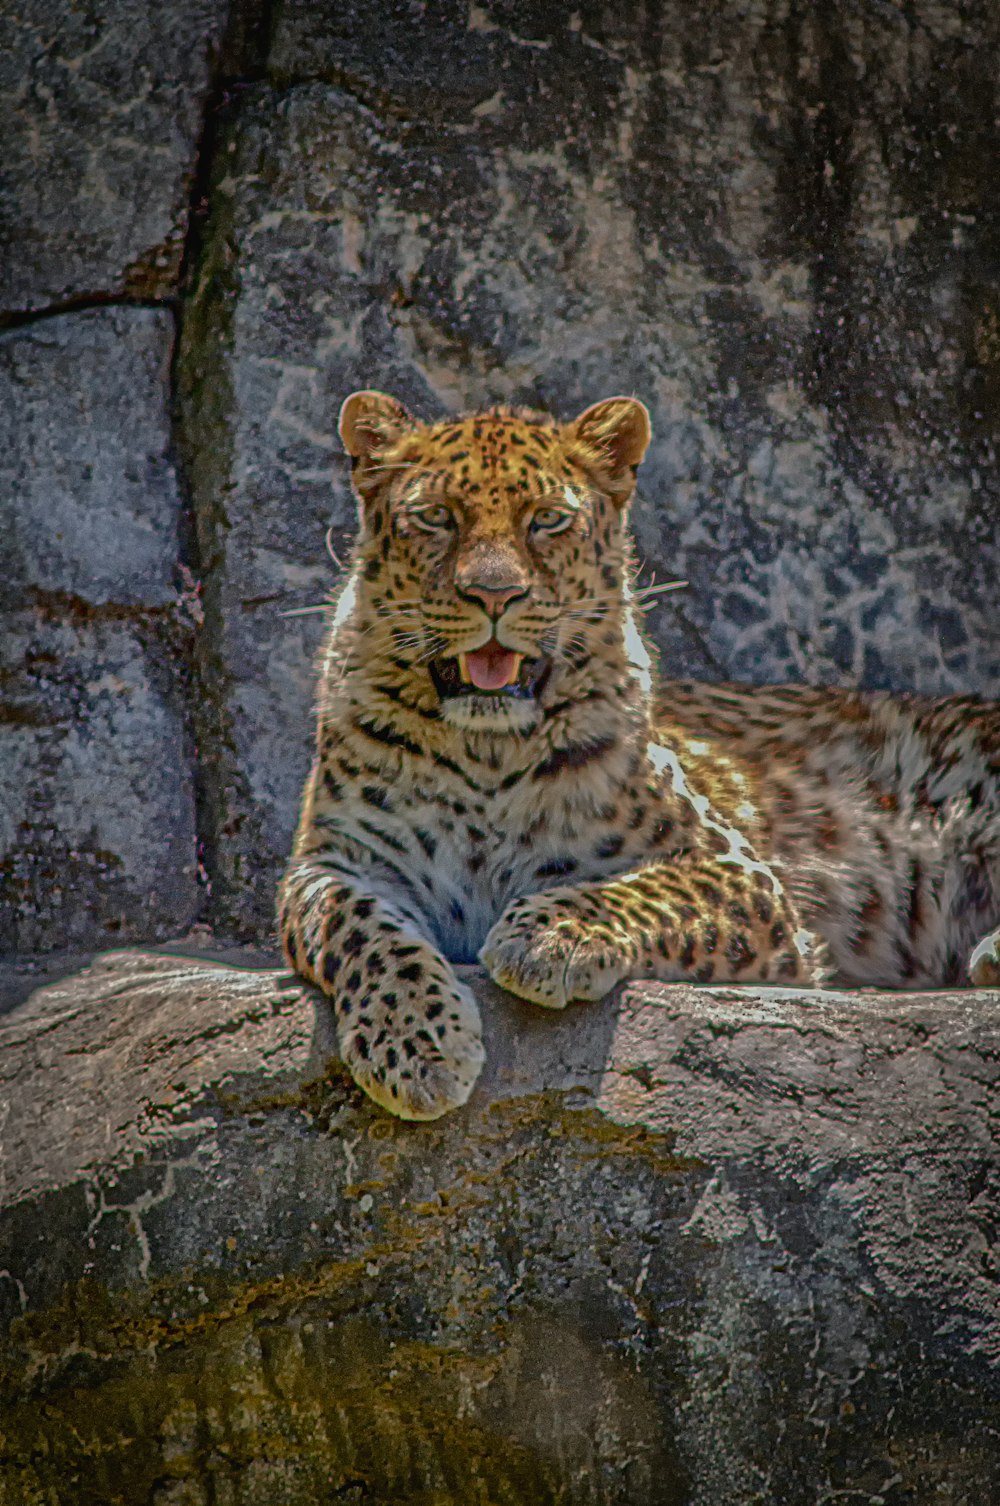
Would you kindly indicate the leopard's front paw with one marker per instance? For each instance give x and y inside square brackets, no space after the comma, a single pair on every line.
[417,1054]
[543,952]
[984,964]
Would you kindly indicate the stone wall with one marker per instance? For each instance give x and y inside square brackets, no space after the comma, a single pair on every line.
[778,223]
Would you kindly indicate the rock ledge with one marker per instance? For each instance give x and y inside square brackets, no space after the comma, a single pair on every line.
[707,1246]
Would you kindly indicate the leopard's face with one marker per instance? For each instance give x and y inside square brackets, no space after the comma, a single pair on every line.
[493,548]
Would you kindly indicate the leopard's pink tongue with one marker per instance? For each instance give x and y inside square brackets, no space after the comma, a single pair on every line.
[492,667]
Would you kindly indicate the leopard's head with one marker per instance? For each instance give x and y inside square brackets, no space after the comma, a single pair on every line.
[492,549]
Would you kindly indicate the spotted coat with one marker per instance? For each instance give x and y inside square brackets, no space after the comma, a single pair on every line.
[584,822]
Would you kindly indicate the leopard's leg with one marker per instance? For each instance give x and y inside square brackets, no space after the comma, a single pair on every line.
[700,919]
[407,1029]
[984,964]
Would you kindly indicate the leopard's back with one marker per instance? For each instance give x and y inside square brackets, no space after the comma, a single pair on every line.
[883,811]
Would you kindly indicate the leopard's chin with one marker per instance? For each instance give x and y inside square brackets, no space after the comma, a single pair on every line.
[492,713]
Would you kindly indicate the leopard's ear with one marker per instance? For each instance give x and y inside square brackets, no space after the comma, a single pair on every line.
[372,421]
[619,430]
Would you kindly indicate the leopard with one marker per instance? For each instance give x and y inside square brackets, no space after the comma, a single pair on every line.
[503,775]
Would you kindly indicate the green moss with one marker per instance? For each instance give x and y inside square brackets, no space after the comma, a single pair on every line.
[277,1401]
[591,1129]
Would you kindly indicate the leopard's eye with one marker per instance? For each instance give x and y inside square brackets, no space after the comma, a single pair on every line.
[550,520]
[434,518]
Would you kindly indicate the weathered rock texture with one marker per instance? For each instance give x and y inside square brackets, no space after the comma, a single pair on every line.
[102,110]
[97,811]
[777,223]
[719,1248]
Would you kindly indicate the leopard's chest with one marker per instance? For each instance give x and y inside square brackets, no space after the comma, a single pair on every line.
[461,845]
[479,866]
[463,856]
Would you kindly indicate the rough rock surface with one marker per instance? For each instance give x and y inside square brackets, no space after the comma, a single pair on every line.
[97,820]
[102,109]
[89,503]
[712,1247]
[776,224]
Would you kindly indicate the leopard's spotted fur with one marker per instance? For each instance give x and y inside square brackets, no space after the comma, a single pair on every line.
[591,826]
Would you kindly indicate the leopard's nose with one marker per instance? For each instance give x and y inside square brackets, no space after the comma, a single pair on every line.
[493,597]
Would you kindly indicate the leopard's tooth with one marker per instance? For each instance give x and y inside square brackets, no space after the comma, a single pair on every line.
[516,670]
[463,669]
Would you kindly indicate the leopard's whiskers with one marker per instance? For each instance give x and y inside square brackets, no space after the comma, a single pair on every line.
[396,609]
[436,644]
[401,465]
[330,549]
[595,613]
[408,638]
[643,593]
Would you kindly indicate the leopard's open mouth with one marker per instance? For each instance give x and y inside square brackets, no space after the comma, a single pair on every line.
[489,671]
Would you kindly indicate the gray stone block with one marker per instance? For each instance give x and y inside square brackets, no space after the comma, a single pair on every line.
[687,1247]
[769,232]
[101,108]
[97,825]
[89,503]
[97,833]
